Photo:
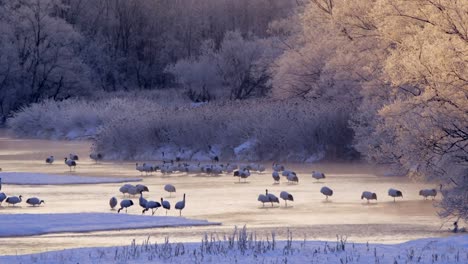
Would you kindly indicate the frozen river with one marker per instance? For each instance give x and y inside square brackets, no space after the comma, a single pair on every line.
[219,199]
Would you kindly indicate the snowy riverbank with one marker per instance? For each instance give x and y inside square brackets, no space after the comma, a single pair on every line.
[39,224]
[30,178]
[245,247]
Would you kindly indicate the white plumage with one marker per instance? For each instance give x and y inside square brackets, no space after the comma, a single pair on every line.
[95,156]
[180,205]
[70,163]
[276,176]
[170,189]
[50,160]
[263,199]
[34,201]
[124,188]
[165,204]
[395,193]
[142,188]
[113,202]
[13,200]
[272,198]
[428,192]
[153,205]
[125,204]
[369,196]
[292,177]
[286,197]
[318,175]
[326,191]
[2,197]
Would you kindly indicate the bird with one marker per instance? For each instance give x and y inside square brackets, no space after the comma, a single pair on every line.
[369,196]
[140,168]
[276,176]
[286,197]
[96,156]
[151,205]
[73,156]
[34,201]
[113,202]
[2,197]
[124,188]
[132,190]
[169,188]
[70,163]
[242,173]
[395,193]
[318,175]
[263,199]
[142,188]
[180,205]
[13,200]
[125,204]
[292,177]
[165,204]
[50,160]
[142,201]
[428,192]
[277,167]
[326,191]
[272,198]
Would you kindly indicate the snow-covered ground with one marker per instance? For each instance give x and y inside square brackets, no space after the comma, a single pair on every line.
[38,224]
[26,178]
[245,247]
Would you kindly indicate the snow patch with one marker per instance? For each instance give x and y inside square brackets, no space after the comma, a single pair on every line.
[29,178]
[38,224]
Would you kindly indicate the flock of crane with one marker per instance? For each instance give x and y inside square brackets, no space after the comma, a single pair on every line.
[14,200]
[167,167]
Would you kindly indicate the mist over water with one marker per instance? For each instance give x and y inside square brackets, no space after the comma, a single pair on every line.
[219,199]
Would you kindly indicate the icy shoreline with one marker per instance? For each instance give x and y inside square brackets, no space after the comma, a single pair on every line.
[31,178]
[40,224]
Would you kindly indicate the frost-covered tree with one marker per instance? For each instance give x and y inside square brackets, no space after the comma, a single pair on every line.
[40,55]
[238,69]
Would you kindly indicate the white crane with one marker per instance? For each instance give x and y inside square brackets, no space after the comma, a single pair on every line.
[125,204]
[292,177]
[180,205]
[165,204]
[50,160]
[34,201]
[170,189]
[153,205]
[70,163]
[2,197]
[142,188]
[326,191]
[142,201]
[263,198]
[124,188]
[276,176]
[369,196]
[318,175]
[13,200]
[395,193]
[428,192]
[272,198]
[286,197]
[113,202]
[96,157]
